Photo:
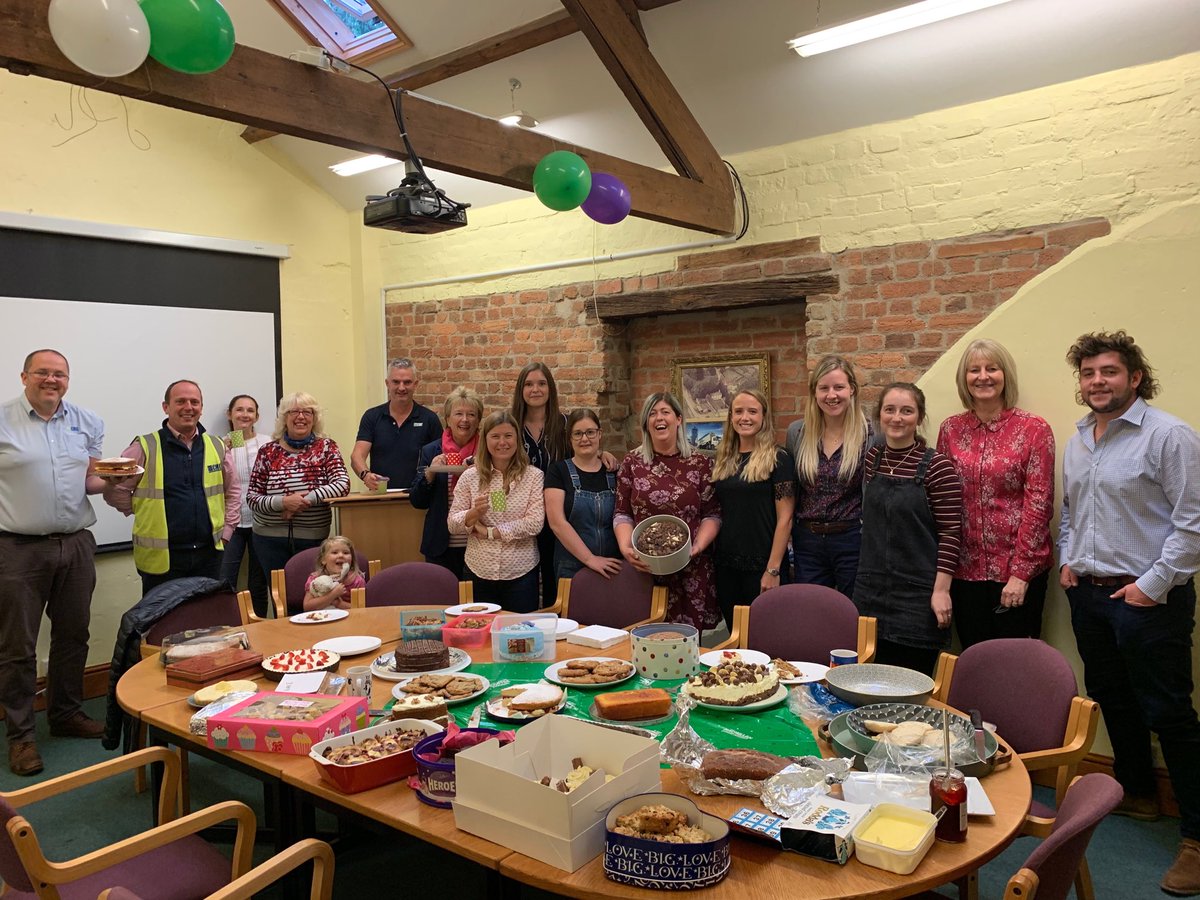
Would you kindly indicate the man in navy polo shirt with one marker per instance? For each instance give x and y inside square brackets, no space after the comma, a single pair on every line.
[394,433]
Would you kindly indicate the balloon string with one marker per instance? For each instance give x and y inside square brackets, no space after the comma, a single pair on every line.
[130,131]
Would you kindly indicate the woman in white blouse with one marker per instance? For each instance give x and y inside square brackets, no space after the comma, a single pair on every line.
[243,443]
[498,505]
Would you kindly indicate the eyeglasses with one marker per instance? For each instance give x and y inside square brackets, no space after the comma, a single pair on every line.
[589,434]
[302,413]
[46,374]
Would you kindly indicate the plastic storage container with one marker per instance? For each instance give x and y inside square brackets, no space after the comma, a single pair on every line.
[513,641]
[901,851]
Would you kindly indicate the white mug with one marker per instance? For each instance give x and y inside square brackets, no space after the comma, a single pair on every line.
[358,679]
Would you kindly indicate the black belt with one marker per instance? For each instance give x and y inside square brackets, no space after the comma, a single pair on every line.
[27,538]
[1108,580]
[830,527]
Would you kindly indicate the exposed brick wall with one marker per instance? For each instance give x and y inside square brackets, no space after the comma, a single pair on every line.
[898,309]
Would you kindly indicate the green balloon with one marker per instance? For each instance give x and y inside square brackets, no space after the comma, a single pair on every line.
[189,36]
[562,180]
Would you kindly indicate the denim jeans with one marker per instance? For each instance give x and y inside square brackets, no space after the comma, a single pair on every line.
[239,545]
[1138,666]
[827,559]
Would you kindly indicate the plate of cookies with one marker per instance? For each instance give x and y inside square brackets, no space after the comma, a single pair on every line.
[455,688]
[522,702]
[592,672]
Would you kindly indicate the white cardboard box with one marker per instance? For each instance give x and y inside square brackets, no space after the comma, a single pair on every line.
[598,637]
[499,795]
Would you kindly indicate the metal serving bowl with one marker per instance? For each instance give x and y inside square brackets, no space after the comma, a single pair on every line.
[863,683]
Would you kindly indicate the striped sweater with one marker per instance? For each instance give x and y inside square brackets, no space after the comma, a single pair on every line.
[317,471]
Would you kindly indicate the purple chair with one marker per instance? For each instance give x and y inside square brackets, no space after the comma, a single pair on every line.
[287,584]
[627,599]
[412,584]
[218,608]
[196,868]
[802,622]
[1057,861]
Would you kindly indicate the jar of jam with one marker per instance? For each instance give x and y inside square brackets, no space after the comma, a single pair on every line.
[948,789]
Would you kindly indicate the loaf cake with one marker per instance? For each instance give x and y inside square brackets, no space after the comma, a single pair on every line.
[624,706]
[734,683]
[741,763]
[421,656]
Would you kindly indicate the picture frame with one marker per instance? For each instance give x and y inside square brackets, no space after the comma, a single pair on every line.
[705,386]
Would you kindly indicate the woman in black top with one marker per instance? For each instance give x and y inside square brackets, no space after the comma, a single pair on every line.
[754,481]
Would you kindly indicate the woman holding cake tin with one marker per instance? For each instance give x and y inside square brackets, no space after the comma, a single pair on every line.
[580,496]
[664,475]
[243,443]
[293,479]
[498,505]
[432,491]
[754,481]
[829,446]
[912,526]
[1005,458]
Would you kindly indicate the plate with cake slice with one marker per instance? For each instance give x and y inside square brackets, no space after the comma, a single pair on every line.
[523,702]
[774,700]
[798,671]
[453,688]
[384,666]
[590,672]
[472,609]
[714,658]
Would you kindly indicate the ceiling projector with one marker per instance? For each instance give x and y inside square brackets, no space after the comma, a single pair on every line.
[415,207]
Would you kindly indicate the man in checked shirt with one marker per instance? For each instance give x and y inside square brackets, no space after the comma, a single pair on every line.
[1129,548]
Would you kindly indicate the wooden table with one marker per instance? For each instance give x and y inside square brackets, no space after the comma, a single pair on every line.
[758,869]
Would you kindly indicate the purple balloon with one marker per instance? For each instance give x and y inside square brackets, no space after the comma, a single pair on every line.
[609,200]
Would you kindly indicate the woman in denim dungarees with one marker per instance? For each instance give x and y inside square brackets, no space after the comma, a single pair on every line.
[583,529]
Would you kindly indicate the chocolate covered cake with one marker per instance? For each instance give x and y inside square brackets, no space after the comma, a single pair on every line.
[421,656]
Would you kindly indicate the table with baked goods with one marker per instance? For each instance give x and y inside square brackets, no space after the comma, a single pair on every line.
[757,868]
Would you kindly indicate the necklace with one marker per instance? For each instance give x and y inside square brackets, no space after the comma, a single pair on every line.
[891,469]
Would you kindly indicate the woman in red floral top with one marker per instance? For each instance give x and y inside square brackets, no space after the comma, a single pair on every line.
[1005,457]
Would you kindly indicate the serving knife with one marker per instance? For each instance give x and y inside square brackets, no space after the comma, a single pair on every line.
[628,729]
[476,715]
[980,746]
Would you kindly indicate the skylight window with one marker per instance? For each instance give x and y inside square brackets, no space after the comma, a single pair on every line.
[359,30]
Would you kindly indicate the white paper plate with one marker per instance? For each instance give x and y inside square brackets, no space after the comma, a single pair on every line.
[872,788]
[317,616]
[774,700]
[551,673]
[565,627]
[461,609]
[351,645]
[382,666]
[809,672]
[716,657]
[398,691]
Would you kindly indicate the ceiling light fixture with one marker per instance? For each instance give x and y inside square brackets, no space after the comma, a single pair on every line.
[362,164]
[518,117]
[911,16]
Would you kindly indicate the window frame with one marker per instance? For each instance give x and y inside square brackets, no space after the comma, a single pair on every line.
[317,24]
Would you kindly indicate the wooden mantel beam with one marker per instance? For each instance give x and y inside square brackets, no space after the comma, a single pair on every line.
[720,295]
[267,91]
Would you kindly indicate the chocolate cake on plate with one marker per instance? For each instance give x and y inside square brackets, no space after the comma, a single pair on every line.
[421,656]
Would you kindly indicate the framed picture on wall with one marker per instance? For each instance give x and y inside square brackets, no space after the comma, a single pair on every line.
[706,386]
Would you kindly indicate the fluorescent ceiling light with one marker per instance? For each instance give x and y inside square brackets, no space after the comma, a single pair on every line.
[362,164]
[519,117]
[912,16]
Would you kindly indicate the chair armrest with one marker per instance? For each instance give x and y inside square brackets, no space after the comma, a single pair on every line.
[466,592]
[562,599]
[1021,885]
[270,871]
[246,608]
[374,567]
[943,675]
[737,632]
[867,628]
[1037,826]
[279,593]
[358,598]
[658,603]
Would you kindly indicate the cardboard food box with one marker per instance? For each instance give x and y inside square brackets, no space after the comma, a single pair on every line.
[209,668]
[500,796]
[363,776]
[824,828]
[275,722]
[514,641]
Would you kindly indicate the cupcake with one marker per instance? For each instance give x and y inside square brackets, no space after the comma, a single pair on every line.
[301,743]
[274,740]
[220,737]
[246,737]
[344,725]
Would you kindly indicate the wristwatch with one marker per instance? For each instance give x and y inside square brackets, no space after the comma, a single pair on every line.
[774,573]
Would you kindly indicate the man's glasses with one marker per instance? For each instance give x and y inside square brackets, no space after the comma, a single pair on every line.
[45,374]
[589,434]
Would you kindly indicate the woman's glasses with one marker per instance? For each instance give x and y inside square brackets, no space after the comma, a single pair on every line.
[581,435]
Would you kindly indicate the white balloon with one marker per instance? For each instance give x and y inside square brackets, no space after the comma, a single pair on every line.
[104,37]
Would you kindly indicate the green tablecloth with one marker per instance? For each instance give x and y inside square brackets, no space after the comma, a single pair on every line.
[775,730]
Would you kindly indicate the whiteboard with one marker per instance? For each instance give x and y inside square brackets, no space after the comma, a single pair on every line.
[123,356]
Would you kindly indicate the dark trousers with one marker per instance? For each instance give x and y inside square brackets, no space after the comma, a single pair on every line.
[56,576]
[978,615]
[274,552]
[202,561]
[736,587]
[922,659]
[545,566]
[520,595]
[236,547]
[1137,664]
[452,559]
[826,559]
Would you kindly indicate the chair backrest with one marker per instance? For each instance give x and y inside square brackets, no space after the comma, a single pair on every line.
[1056,860]
[217,608]
[617,602]
[300,566]
[413,584]
[802,622]
[12,871]
[1023,686]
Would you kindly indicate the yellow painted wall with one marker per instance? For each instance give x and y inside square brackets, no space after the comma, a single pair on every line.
[196,176]
[1112,145]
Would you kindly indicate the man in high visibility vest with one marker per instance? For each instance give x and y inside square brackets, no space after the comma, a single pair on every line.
[187,501]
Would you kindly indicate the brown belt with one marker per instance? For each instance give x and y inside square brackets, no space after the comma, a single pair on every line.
[1109,580]
[829,527]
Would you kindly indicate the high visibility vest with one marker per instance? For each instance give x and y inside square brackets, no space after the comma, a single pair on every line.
[151,546]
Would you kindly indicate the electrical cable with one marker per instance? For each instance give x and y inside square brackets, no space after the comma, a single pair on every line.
[744,203]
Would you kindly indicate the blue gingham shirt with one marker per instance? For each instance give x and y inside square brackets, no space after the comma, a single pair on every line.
[1131,501]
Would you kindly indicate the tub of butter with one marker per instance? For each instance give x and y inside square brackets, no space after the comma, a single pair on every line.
[894,837]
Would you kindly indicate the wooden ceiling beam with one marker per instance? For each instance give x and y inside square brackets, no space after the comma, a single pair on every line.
[706,297]
[266,91]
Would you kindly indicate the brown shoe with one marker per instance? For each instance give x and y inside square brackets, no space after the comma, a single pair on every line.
[79,725]
[1144,809]
[23,758]
[1183,878]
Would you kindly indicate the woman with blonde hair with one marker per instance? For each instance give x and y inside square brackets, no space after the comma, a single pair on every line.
[294,478]
[663,475]
[1005,457]
[754,481]
[829,445]
[498,505]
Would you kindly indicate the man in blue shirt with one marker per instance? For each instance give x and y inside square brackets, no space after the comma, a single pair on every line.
[394,433]
[1129,548]
[48,449]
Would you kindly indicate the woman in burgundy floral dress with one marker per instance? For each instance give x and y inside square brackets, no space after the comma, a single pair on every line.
[664,476]
[1005,457]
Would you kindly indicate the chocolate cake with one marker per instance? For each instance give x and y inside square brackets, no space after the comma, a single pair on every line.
[421,656]
[661,538]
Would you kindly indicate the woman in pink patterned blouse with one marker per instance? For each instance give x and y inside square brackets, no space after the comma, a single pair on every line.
[1005,457]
